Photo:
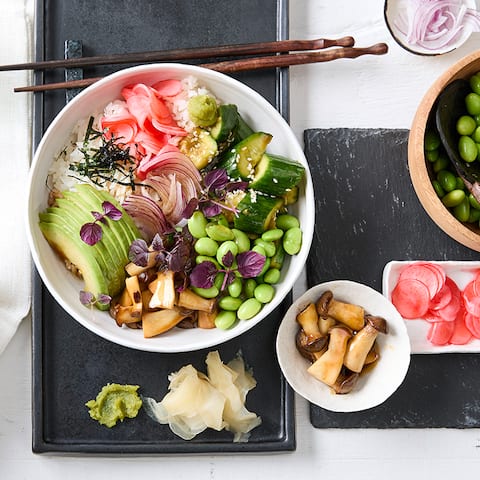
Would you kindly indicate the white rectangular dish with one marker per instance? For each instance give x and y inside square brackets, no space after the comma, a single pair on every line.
[459,271]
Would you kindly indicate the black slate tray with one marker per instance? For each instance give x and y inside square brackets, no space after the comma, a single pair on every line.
[367,214]
[70,364]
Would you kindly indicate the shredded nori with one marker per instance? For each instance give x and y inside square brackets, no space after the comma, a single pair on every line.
[102,165]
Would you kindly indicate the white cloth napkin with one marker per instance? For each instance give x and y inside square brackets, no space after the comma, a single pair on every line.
[15,148]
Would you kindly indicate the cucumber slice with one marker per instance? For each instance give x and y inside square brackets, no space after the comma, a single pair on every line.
[241,159]
[200,147]
[256,212]
[243,130]
[224,128]
[276,175]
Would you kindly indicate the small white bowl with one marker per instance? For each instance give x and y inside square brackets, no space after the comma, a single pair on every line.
[374,387]
[64,287]
[393,11]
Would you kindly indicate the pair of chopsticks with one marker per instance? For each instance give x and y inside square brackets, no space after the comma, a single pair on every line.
[283,53]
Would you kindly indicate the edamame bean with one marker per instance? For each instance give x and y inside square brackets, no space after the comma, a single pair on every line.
[474,81]
[235,288]
[431,140]
[472,102]
[467,148]
[219,233]
[229,303]
[218,280]
[221,219]
[206,246]
[272,235]
[453,198]
[264,293]
[269,247]
[196,224]
[203,258]
[249,287]
[286,221]
[241,239]
[473,202]
[277,260]
[259,249]
[224,248]
[447,180]
[211,292]
[459,183]
[462,210]
[249,308]
[292,240]
[466,125]
[476,135]
[266,266]
[474,216]
[441,163]
[438,188]
[432,155]
[225,319]
[272,276]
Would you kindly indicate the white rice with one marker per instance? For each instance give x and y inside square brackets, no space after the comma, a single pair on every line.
[62,178]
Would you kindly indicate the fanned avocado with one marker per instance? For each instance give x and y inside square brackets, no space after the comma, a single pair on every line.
[102,265]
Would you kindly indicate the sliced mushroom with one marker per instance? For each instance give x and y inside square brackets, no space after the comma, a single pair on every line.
[346,382]
[308,320]
[361,344]
[347,313]
[327,368]
[164,295]
[325,324]
[310,350]
[372,355]
[189,299]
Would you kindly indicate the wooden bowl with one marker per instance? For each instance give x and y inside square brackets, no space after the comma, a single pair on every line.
[420,169]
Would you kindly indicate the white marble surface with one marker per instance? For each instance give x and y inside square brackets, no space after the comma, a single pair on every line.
[366,92]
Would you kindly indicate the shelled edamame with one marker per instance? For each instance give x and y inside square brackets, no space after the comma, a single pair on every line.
[449,187]
[218,242]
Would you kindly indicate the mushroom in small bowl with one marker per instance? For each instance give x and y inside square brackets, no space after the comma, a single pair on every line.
[343,346]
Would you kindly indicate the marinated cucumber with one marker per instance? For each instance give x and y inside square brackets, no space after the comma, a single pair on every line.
[240,160]
[256,212]
[291,196]
[224,129]
[200,147]
[243,130]
[276,175]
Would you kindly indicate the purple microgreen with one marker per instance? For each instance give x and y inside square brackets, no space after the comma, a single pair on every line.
[227,279]
[110,211]
[179,257]
[232,186]
[228,259]
[250,263]
[86,298]
[157,243]
[191,206]
[91,233]
[203,275]
[138,252]
[216,179]
[104,299]
[211,209]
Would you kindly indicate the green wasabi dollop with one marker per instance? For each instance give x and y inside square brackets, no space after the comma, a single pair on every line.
[202,110]
[115,402]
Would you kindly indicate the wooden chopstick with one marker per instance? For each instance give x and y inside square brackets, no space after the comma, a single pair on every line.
[232,66]
[280,46]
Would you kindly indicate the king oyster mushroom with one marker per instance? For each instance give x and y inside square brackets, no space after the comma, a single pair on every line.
[327,368]
[361,344]
[347,313]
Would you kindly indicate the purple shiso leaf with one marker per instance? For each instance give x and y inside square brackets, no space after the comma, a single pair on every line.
[86,298]
[203,275]
[250,263]
[104,299]
[191,206]
[216,179]
[227,279]
[97,216]
[157,243]
[179,257]
[91,233]
[228,259]
[211,209]
[112,212]
[138,252]
[232,186]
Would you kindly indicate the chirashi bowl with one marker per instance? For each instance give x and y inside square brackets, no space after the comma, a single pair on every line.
[65,287]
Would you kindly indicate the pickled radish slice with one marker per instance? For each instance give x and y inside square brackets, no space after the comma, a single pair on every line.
[440,333]
[411,297]
[430,275]
[461,334]
[472,322]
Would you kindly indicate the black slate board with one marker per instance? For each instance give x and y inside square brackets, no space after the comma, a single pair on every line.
[367,214]
[71,364]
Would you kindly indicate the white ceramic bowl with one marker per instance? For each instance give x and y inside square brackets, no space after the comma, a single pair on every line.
[257,111]
[374,387]
[394,10]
